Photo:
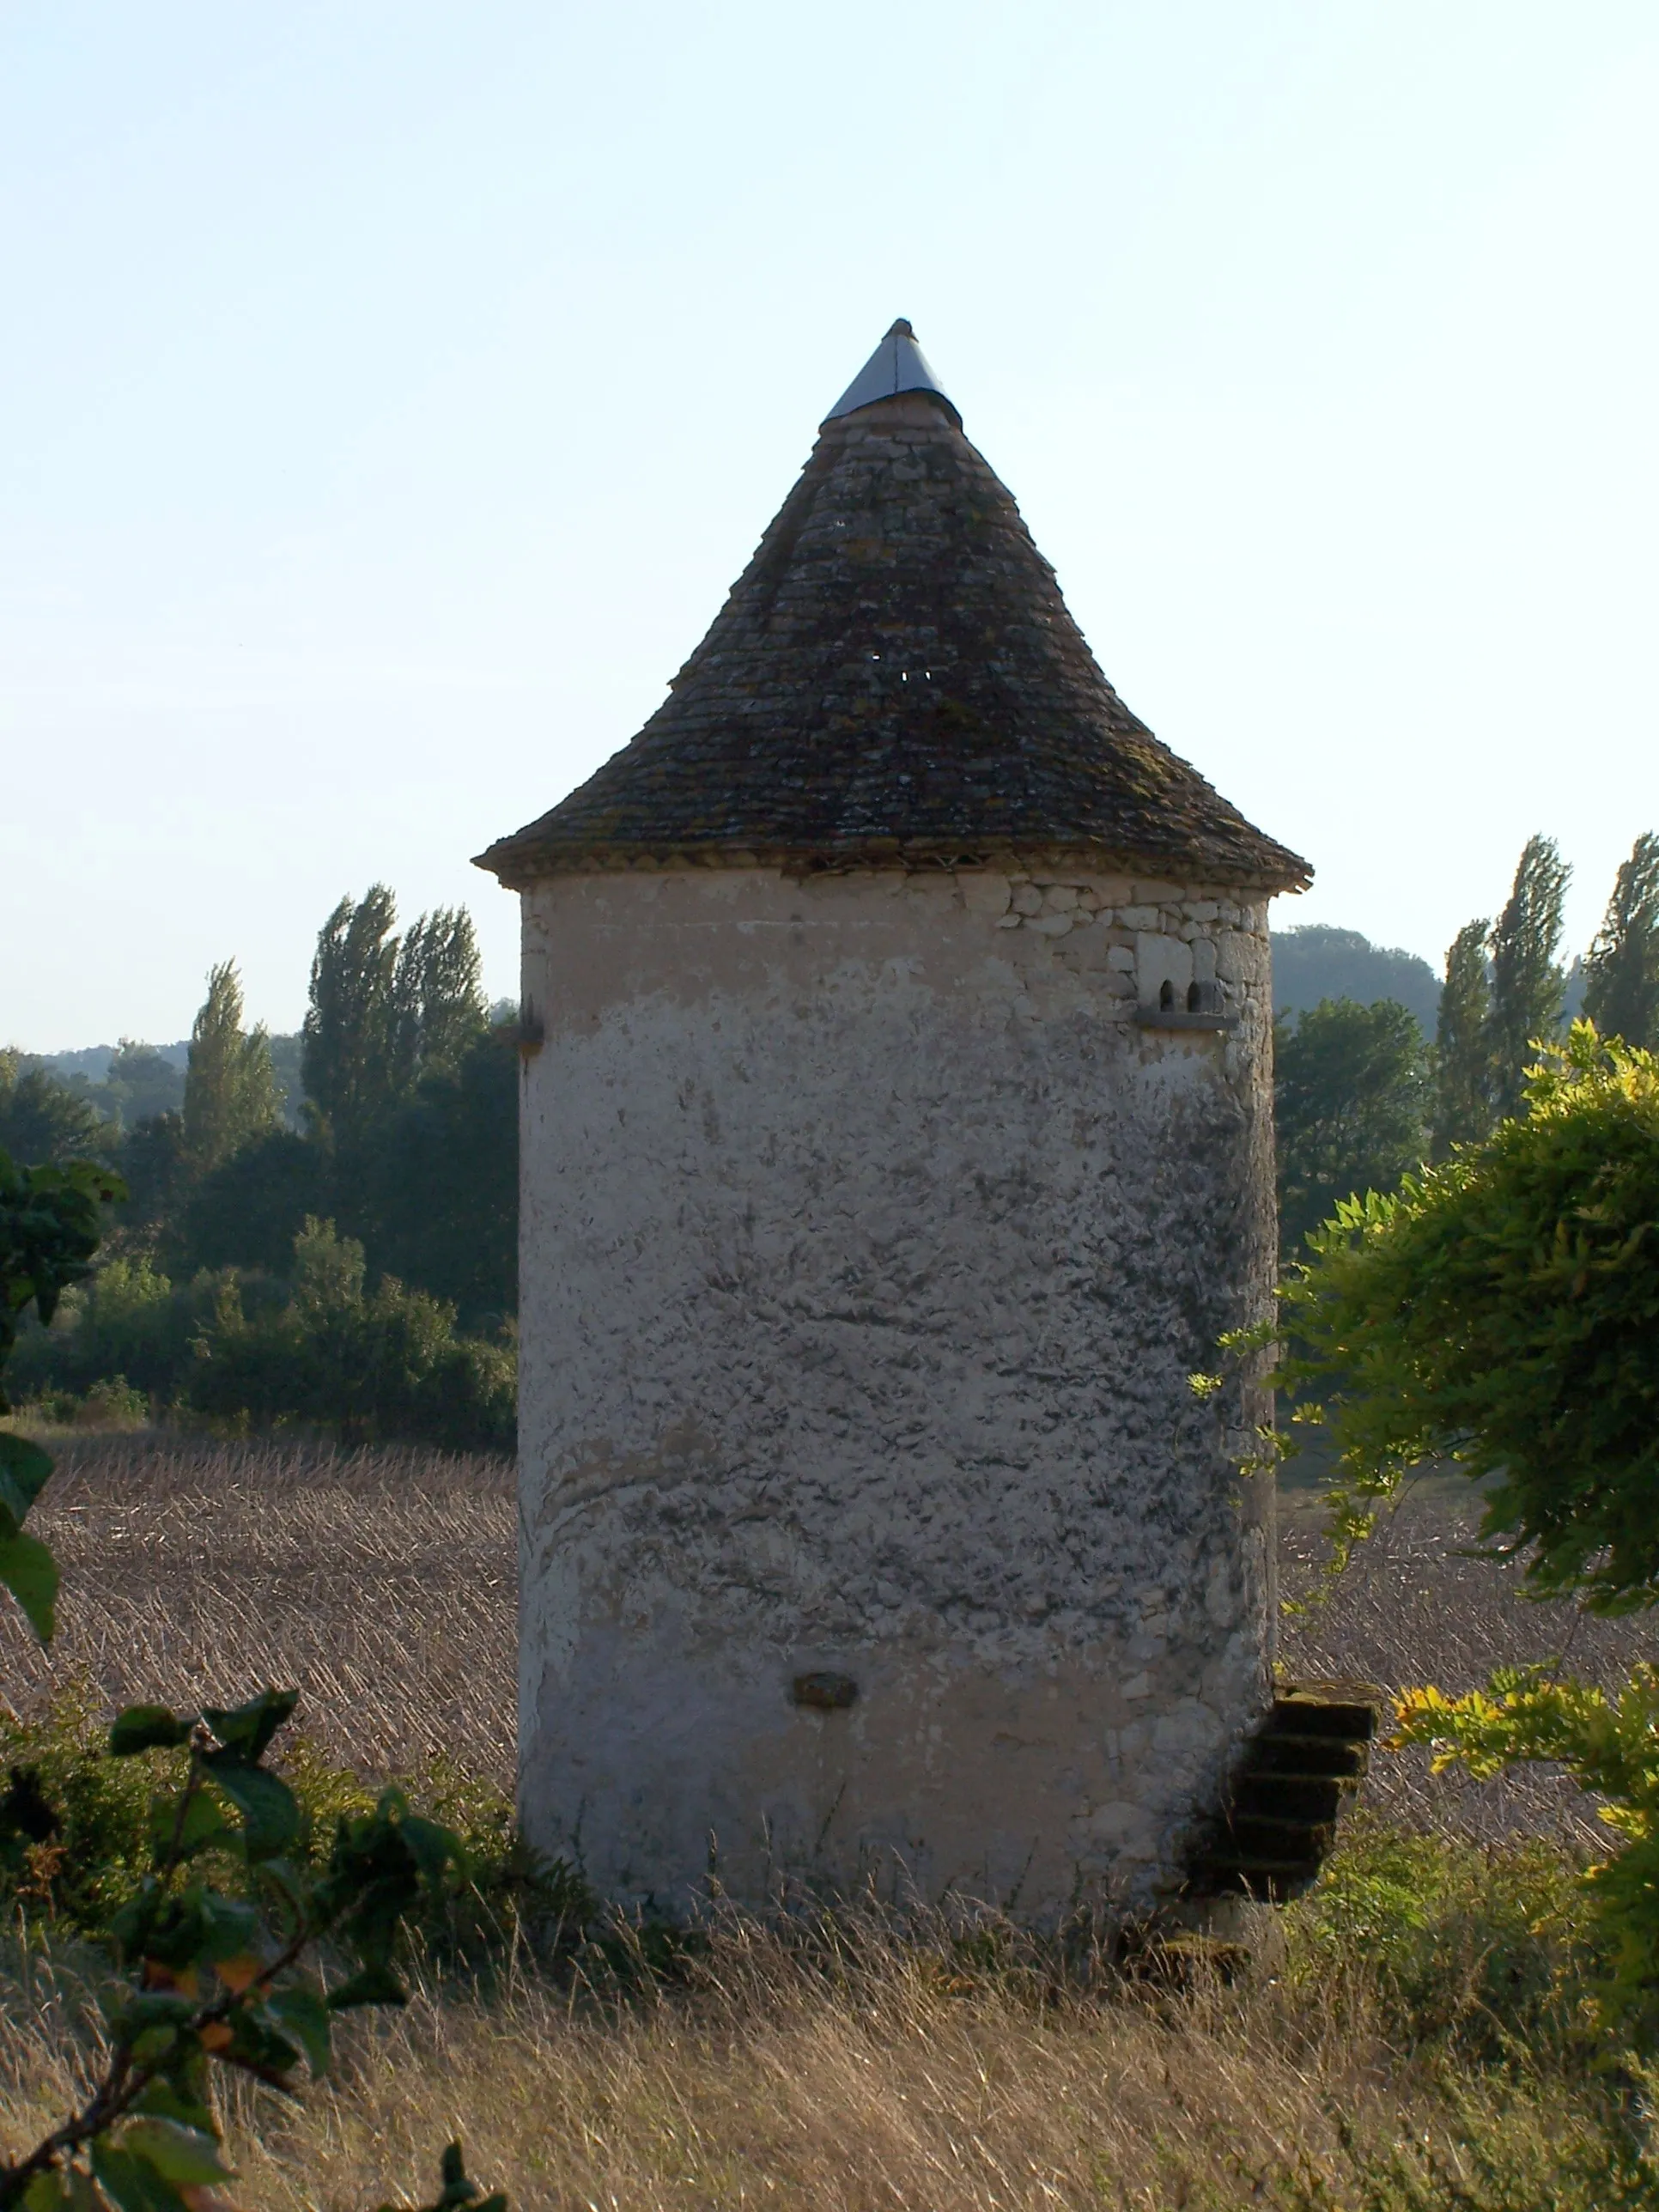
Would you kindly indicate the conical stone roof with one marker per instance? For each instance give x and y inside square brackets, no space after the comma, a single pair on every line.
[895,676]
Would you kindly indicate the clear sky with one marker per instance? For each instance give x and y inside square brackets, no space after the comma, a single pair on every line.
[389,392]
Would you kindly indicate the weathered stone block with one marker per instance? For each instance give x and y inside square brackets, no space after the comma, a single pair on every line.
[983,891]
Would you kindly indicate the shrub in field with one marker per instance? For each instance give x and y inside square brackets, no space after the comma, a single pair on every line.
[320,1350]
[76,1840]
[227,1907]
[1502,1312]
[1486,1949]
[367,1364]
[130,1320]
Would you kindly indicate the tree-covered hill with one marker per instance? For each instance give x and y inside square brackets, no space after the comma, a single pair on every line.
[1313,962]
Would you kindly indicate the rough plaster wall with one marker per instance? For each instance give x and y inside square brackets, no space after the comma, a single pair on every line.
[868,1244]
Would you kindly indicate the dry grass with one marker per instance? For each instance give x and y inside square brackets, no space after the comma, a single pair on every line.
[384,1582]
[896,2081]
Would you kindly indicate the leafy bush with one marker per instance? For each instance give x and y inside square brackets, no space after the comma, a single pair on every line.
[1608,1745]
[77,1830]
[367,1365]
[253,1351]
[1502,1312]
[1483,1948]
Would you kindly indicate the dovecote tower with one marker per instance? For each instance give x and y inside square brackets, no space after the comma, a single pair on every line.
[896,1141]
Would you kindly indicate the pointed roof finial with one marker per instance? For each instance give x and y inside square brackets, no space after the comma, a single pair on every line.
[898,364]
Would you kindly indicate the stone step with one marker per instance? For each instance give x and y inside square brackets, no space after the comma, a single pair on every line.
[1274,1881]
[1302,1715]
[1294,1779]
[1289,1796]
[1327,1755]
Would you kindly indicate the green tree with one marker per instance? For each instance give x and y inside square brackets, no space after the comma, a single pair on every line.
[1351,1102]
[1464,1077]
[41,1119]
[51,1217]
[384,1011]
[1621,984]
[230,1097]
[347,1055]
[1501,1312]
[437,996]
[442,1189]
[143,1083]
[246,1212]
[1528,981]
[156,1168]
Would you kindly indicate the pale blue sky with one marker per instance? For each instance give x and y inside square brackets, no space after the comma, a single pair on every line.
[389,393]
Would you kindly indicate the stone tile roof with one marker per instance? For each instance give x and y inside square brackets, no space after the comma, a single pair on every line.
[895,676]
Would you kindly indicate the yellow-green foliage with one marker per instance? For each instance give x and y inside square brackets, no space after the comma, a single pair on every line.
[1608,1745]
[1502,1310]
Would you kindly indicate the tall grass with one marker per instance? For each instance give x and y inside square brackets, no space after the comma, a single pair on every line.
[1415,2046]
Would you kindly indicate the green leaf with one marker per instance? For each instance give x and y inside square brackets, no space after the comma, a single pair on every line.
[203,1826]
[132,2184]
[369,1985]
[179,2154]
[170,2102]
[146,1728]
[247,1730]
[29,1570]
[136,2012]
[25,1470]
[303,2013]
[256,2042]
[432,1847]
[230,1928]
[47,2193]
[269,1807]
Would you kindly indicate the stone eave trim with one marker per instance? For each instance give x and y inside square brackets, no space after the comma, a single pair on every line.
[518,867]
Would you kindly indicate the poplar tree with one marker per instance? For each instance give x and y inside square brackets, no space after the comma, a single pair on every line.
[1528,981]
[346,1049]
[1462,1044]
[230,1093]
[1621,986]
[437,995]
[386,1010]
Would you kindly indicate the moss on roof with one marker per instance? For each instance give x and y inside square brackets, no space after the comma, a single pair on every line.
[894,676]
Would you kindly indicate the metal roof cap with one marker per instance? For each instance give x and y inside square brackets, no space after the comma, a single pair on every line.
[898,364]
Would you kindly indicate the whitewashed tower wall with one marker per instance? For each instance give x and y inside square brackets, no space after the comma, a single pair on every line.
[897,1143]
